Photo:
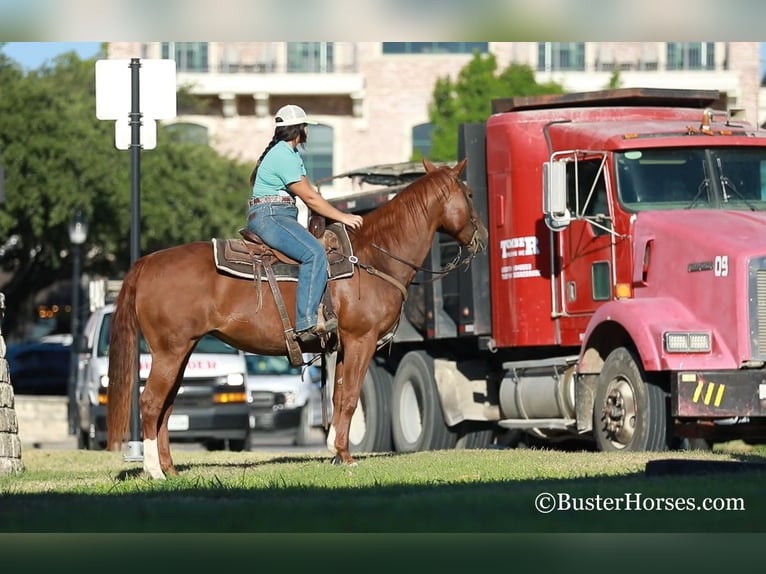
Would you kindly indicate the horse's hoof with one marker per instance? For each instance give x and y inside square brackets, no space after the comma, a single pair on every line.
[337,459]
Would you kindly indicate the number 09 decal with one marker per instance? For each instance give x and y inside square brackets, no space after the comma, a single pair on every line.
[721,266]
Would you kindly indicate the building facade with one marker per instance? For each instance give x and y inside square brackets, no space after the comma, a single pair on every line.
[372,98]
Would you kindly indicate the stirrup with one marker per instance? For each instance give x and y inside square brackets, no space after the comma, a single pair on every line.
[325,324]
[308,336]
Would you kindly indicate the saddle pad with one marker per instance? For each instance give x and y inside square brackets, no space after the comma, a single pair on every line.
[233,257]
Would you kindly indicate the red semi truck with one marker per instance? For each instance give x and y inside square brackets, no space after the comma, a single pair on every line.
[622,299]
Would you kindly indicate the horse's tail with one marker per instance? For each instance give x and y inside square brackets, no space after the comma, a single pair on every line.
[123,348]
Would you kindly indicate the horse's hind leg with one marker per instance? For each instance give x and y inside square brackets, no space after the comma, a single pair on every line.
[158,393]
[163,444]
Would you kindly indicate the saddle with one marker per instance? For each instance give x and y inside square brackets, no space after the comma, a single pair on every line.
[250,258]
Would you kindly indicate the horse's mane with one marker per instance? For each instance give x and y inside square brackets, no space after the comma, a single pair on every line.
[394,221]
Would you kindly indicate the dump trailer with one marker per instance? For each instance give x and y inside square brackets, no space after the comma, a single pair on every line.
[622,297]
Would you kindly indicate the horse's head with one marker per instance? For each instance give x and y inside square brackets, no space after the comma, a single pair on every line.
[460,219]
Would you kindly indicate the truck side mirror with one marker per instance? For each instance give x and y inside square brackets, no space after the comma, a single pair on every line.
[557,216]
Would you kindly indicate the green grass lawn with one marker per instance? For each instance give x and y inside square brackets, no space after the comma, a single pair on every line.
[479,491]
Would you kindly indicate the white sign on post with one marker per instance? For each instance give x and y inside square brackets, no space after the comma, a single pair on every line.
[156,93]
[123,134]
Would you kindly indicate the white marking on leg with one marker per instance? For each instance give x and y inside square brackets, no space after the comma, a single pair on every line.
[331,440]
[152,459]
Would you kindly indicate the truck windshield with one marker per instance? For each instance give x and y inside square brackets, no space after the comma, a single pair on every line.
[692,178]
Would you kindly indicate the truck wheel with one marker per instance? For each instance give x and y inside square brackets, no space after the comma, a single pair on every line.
[417,421]
[237,444]
[371,425]
[474,434]
[629,412]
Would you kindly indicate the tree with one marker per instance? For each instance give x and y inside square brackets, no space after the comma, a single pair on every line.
[469,99]
[59,157]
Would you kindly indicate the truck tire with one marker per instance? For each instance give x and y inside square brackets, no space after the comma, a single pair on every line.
[417,421]
[629,411]
[474,434]
[371,425]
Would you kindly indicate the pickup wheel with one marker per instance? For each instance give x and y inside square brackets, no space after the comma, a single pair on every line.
[417,421]
[629,411]
[82,439]
[303,432]
[371,425]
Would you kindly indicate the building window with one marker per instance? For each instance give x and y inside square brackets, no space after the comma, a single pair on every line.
[560,56]
[189,56]
[435,47]
[691,55]
[310,57]
[317,155]
[184,132]
[421,140]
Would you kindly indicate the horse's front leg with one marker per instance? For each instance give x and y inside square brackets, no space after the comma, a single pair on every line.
[351,366]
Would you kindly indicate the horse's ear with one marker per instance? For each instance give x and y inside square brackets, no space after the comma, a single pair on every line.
[458,169]
[428,165]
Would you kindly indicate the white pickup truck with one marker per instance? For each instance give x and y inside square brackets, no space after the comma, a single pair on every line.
[211,406]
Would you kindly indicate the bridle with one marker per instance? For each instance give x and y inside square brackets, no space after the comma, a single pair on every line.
[473,245]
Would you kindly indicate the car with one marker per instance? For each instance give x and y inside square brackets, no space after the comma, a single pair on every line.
[210,408]
[283,399]
[39,367]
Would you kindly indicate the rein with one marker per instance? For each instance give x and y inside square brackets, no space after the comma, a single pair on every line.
[438,273]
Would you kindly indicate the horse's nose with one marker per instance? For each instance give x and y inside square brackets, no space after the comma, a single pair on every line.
[482,238]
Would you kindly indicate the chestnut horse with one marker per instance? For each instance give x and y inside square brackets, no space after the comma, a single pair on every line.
[177,295]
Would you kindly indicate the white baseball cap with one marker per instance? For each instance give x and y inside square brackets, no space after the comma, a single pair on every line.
[291,115]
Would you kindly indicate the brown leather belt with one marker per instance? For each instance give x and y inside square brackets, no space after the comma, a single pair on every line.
[271,199]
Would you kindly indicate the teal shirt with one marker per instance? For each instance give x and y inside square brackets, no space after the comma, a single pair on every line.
[282,166]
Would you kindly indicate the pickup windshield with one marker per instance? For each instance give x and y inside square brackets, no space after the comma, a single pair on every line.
[692,178]
[207,344]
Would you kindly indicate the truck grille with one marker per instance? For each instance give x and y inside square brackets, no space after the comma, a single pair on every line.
[758,308]
[194,393]
[262,399]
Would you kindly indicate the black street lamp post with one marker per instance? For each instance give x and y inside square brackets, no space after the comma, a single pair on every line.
[78,233]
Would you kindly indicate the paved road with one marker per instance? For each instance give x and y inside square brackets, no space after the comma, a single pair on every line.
[262,443]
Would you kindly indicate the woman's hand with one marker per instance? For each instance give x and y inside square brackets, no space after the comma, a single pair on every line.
[352,221]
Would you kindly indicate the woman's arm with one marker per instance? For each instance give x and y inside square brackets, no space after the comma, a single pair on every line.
[320,205]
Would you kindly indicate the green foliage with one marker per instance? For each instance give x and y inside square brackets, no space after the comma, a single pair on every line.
[59,157]
[614,80]
[469,98]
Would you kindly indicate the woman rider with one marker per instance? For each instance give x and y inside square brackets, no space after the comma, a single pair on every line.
[278,177]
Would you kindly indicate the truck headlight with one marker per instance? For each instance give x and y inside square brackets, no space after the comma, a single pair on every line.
[687,342]
[104,381]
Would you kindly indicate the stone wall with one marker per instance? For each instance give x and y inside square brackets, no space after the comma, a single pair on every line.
[10,444]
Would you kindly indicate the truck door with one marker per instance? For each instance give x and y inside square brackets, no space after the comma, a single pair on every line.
[585,246]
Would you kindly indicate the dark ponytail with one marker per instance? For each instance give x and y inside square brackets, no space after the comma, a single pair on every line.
[281,133]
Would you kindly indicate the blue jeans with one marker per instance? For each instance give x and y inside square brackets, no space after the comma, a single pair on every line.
[277,224]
